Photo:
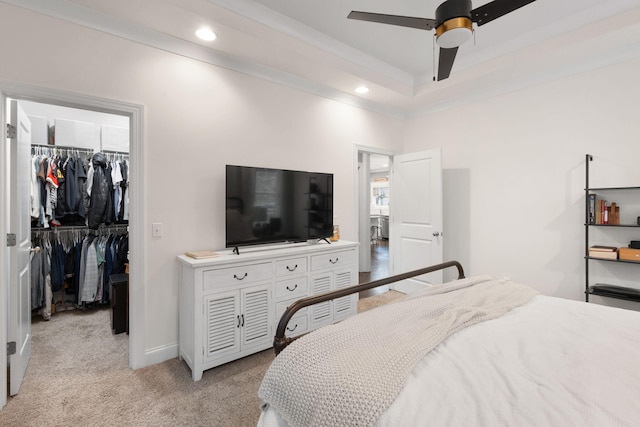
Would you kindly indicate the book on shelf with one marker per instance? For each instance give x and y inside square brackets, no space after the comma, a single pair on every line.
[599,211]
[592,209]
[201,254]
[606,252]
[602,212]
[602,248]
[614,214]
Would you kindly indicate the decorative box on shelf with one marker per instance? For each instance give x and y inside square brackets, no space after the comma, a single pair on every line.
[629,254]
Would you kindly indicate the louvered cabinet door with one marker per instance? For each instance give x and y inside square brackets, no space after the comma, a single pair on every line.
[345,306]
[222,324]
[321,313]
[255,316]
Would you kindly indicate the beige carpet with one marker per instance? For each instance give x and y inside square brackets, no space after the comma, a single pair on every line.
[79,376]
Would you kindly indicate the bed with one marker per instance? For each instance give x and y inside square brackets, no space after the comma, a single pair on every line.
[472,352]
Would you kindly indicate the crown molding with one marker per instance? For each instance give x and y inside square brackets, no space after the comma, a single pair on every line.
[98,21]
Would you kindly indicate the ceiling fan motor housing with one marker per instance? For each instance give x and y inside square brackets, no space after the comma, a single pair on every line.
[453,9]
[454,25]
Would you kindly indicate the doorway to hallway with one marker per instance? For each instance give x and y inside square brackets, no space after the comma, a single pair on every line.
[379,267]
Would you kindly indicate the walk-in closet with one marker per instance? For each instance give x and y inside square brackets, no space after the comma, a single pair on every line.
[79,203]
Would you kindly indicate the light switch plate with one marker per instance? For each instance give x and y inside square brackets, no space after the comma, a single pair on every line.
[156,229]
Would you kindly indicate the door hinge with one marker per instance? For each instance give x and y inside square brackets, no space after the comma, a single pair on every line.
[11,239]
[11,131]
[11,348]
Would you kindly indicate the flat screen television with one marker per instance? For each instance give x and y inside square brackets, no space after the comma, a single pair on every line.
[276,205]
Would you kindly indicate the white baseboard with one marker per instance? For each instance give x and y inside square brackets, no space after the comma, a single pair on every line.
[160,354]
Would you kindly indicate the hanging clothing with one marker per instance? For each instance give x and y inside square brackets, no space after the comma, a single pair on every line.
[70,207]
[100,207]
[58,261]
[35,188]
[75,177]
[41,278]
[90,282]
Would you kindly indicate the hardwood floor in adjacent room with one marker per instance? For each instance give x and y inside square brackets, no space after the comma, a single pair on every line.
[379,267]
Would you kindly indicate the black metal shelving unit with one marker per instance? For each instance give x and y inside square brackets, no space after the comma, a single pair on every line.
[602,289]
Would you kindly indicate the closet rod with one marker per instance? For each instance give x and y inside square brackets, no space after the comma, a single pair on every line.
[83,149]
[124,153]
[79,228]
[61,148]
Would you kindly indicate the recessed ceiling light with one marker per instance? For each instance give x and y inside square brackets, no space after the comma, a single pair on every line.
[206,34]
[362,89]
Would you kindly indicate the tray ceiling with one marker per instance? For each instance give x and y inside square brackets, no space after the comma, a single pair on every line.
[311,45]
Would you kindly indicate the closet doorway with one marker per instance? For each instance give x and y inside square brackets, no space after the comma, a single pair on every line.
[77,154]
[115,116]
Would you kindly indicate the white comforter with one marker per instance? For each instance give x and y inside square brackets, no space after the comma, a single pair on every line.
[551,362]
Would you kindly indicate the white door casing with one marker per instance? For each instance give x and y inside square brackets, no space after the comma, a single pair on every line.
[19,255]
[416,217]
[364,212]
[362,188]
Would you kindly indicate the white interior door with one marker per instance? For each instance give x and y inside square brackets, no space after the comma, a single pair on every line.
[416,218]
[19,331]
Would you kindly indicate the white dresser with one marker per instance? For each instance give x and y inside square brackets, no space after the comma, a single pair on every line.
[230,305]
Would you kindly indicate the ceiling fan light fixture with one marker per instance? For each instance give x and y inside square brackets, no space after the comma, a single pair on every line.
[454,32]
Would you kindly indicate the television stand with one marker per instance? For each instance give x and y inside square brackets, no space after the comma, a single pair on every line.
[230,306]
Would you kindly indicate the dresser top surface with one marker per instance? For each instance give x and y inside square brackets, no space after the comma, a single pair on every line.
[258,253]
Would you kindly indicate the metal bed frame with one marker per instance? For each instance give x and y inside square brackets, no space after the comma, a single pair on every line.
[281,341]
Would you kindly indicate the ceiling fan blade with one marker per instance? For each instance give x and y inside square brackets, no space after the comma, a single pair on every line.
[402,21]
[494,10]
[445,62]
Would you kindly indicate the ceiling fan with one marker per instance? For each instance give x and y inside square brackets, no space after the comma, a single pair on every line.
[453,24]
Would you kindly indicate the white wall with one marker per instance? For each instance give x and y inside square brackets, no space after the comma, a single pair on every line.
[197,118]
[514,175]
[514,164]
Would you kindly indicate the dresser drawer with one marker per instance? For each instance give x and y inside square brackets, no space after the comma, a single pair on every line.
[282,306]
[333,260]
[292,266]
[298,325]
[292,288]
[238,275]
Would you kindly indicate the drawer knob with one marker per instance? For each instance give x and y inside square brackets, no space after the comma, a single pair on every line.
[332,261]
[240,278]
[292,269]
[294,288]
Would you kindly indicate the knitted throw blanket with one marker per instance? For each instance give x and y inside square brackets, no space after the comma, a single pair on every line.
[347,374]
